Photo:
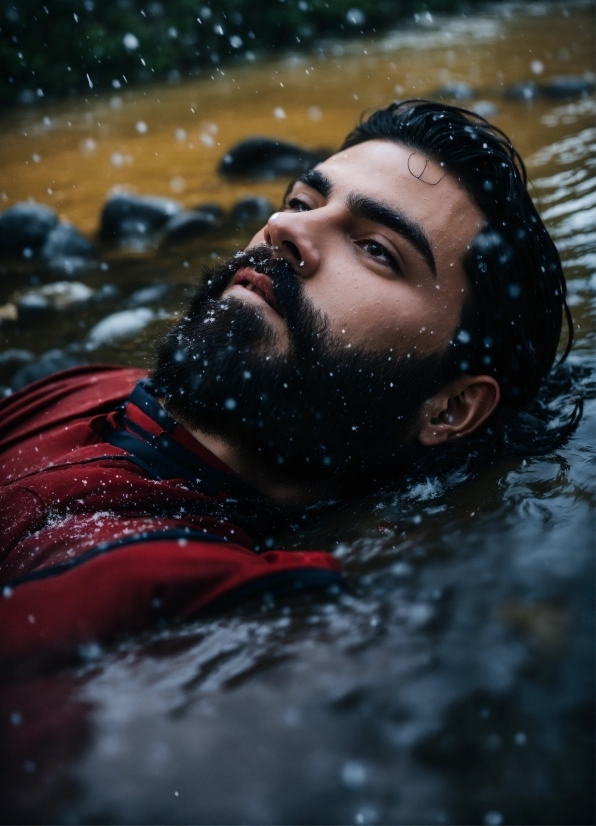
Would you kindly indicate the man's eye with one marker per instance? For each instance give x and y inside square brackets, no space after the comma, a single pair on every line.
[297,204]
[379,253]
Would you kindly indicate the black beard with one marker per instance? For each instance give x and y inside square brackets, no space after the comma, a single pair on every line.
[321,413]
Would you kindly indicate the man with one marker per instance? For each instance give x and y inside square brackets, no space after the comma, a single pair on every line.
[396,317]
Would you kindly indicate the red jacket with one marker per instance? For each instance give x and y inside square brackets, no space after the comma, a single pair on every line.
[112,515]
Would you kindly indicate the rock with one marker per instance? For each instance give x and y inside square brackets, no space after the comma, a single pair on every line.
[70,265]
[148,295]
[217,211]
[120,325]
[486,108]
[64,241]
[50,362]
[568,87]
[61,295]
[527,91]
[186,225]
[33,307]
[254,209]
[456,91]
[132,216]
[16,357]
[267,159]
[24,228]
[107,292]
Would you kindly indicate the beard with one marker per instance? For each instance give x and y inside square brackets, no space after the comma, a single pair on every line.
[322,412]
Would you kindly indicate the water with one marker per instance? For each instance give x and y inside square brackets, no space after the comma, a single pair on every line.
[454,681]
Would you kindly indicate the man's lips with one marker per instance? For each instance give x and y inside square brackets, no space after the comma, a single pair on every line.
[257,283]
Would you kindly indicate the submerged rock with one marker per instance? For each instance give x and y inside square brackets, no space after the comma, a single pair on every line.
[485,108]
[61,295]
[186,225]
[456,91]
[120,325]
[267,159]
[568,87]
[64,241]
[149,295]
[24,228]
[527,90]
[50,362]
[254,209]
[215,210]
[133,216]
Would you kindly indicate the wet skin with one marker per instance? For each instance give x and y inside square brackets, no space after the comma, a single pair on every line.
[380,250]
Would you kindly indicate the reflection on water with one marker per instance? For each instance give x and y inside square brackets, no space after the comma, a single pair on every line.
[454,682]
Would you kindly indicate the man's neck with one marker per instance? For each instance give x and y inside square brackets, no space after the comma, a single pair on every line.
[273,485]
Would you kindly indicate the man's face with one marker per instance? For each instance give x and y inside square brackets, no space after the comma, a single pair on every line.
[314,349]
[377,236]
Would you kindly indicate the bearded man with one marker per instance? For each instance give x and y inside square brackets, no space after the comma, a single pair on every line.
[396,317]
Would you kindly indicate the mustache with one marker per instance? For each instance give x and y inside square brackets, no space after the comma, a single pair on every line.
[290,300]
[259,258]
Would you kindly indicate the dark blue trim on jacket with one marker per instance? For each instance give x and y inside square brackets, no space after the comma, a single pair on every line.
[105,547]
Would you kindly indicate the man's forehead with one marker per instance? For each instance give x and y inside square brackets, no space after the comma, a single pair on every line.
[404,178]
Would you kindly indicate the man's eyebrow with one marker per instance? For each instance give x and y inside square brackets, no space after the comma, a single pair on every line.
[315,180]
[363,207]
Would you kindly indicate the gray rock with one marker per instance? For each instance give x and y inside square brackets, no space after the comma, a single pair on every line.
[569,87]
[107,292]
[186,225]
[217,211]
[527,91]
[24,227]
[486,108]
[267,159]
[456,91]
[68,266]
[120,325]
[64,241]
[254,209]
[131,216]
[51,362]
[148,295]
[59,296]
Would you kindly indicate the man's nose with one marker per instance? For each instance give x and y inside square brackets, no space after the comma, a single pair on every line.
[291,237]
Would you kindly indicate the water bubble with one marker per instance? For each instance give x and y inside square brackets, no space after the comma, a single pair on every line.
[464,337]
[88,146]
[142,127]
[116,84]
[218,29]
[353,774]
[116,102]
[537,66]
[355,17]
[177,184]
[493,818]
[230,404]
[180,135]
[130,41]
[279,113]
[314,113]
[235,41]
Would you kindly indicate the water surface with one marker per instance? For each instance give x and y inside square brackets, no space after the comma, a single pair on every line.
[454,682]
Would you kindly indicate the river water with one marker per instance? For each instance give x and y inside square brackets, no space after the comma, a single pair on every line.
[454,681]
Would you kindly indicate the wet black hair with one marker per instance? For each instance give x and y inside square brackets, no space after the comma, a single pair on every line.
[512,320]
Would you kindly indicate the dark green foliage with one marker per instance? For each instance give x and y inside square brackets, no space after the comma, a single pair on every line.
[63,46]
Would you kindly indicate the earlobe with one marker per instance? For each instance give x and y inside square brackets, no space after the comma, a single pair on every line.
[458,410]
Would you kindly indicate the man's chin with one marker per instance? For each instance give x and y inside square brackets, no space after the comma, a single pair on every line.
[252,302]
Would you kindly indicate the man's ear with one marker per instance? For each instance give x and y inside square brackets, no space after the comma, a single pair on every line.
[458,409]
